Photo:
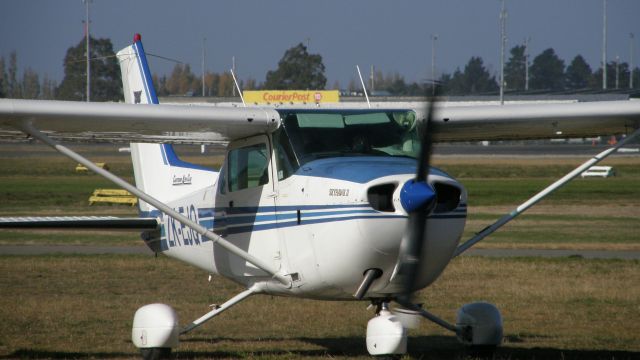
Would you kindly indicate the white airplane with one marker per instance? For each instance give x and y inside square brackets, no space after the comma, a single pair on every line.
[311,203]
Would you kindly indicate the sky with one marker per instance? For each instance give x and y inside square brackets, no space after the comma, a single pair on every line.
[393,36]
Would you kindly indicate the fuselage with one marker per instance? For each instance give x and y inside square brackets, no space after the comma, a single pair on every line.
[323,218]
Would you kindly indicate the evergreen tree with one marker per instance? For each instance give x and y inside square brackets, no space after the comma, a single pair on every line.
[623,76]
[474,80]
[106,84]
[579,74]
[547,71]
[297,70]
[514,69]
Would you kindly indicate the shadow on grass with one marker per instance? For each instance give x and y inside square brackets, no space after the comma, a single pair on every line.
[421,347]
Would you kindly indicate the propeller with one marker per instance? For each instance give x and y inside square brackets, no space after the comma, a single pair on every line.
[418,199]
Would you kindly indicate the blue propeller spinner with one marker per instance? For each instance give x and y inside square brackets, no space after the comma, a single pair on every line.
[415,194]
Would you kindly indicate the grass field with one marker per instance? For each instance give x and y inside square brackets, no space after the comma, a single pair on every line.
[587,213]
[82,306]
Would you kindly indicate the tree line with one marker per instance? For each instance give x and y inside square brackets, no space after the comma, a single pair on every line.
[298,69]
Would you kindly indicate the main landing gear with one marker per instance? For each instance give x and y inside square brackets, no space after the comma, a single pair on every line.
[156,327]
[478,325]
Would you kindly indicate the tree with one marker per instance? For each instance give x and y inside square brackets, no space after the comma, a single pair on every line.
[474,80]
[3,79]
[514,69]
[13,87]
[30,85]
[297,70]
[106,84]
[48,88]
[181,81]
[547,71]
[578,74]
[623,76]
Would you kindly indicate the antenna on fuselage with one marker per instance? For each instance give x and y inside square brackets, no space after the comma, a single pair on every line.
[364,88]
[238,87]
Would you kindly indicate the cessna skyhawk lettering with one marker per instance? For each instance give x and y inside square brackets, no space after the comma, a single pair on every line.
[331,204]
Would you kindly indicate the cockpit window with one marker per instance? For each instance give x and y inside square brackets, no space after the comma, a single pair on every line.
[316,135]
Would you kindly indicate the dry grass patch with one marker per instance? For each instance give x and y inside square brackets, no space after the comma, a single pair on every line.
[82,306]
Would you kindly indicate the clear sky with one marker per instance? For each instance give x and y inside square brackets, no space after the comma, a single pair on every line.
[391,35]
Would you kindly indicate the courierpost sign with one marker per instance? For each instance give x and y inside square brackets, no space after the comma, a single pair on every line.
[291,96]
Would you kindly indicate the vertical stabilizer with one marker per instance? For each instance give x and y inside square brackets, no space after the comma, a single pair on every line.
[157,169]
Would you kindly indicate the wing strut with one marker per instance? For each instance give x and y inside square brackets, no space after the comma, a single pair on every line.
[29,129]
[542,194]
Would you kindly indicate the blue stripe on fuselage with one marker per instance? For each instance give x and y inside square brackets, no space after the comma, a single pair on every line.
[238,220]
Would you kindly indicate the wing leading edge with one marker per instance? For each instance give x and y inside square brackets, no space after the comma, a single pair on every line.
[536,121]
[72,120]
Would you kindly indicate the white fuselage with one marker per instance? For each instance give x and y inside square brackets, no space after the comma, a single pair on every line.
[317,226]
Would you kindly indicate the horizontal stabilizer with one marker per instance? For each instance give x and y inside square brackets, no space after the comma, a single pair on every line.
[79,223]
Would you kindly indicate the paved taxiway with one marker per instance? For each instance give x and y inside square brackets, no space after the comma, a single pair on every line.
[128,250]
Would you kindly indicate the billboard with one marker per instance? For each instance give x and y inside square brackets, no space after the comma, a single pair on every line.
[291,96]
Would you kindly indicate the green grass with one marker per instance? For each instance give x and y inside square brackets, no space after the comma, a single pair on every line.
[49,185]
[558,229]
[507,191]
[82,307]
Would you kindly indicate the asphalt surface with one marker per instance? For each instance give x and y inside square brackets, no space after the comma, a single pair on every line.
[143,250]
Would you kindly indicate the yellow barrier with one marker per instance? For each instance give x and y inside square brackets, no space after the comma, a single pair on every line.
[82,169]
[113,196]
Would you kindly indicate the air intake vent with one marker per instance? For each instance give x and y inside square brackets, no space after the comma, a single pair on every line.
[448,197]
[381,197]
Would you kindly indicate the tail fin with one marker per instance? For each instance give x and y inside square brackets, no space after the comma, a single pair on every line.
[157,169]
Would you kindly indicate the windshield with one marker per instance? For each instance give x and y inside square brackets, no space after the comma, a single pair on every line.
[316,135]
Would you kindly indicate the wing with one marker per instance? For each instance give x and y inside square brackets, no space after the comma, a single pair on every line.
[70,120]
[537,121]
[81,121]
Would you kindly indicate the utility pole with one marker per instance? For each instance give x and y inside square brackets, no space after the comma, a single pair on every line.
[604,44]
[503,41]
[631,38]
[434,38]
[526,63]
[86,2]
[204,39]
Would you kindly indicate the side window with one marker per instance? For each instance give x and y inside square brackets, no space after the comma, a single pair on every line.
[248,167]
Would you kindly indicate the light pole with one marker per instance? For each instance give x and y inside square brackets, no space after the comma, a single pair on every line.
[526,63]
[86,2]
[372,79]
[604,44]
[204,39]
[631,37]
[434,38]
[617,71]
[503,41]
[233,67]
